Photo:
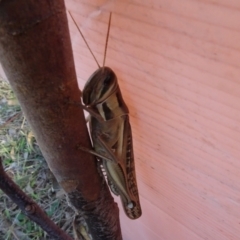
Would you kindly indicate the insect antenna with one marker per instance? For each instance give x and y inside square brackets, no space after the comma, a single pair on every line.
[105,51]
[84,39]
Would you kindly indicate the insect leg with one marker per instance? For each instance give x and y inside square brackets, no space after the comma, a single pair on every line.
[92,113]
[109,150]
[112,158]
[93,153]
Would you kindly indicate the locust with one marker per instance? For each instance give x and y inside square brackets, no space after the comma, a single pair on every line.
[111,133]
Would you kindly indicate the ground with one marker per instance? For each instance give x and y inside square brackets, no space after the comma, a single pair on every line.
[23,161]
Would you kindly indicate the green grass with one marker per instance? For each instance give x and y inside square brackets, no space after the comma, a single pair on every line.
[24,163]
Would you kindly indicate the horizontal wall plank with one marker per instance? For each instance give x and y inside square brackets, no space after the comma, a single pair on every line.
[139,229]
[178,68]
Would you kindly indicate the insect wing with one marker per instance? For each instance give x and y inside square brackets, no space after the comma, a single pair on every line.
[130,173]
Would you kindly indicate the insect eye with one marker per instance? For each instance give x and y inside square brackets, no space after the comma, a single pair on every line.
[107,80]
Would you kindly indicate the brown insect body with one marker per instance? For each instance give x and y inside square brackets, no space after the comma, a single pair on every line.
[111,136]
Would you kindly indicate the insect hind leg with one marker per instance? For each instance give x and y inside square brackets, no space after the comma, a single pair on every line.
[108,150]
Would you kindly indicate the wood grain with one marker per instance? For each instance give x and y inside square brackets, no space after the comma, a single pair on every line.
[178,68]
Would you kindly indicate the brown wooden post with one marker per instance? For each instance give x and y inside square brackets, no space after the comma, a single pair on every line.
[36,54]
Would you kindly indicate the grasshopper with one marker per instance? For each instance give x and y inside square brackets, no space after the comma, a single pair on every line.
[111,133]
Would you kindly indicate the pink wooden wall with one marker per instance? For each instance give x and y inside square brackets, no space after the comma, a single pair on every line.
[178,68]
